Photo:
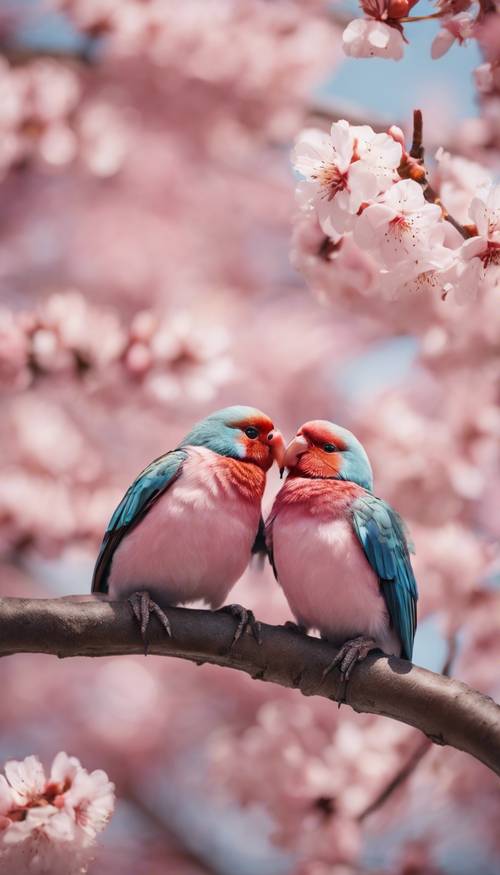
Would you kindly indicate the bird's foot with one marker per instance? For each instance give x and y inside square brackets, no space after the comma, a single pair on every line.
[143,607]
[349,655]
[246,620]
[297,628]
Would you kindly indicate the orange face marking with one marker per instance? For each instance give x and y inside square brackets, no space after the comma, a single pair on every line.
[258,449]
[316,462]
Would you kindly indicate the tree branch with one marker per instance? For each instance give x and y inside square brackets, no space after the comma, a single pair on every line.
[417,754]
[412,167]
[447,711]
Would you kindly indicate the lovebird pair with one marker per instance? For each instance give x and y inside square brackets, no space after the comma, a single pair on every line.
[187,526]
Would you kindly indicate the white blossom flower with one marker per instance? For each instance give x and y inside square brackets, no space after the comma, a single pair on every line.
[479,263]
[49,826]
[459,181]
[401,227]
[343,170]
[368,38]
[457,28]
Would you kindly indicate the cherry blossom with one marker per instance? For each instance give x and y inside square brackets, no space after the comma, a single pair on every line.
[145,280]
[364,38]
[343,170]
[44,816]
[458,28]
[380,34]
[430,274]
[480,256]
[401,226]
[459,180]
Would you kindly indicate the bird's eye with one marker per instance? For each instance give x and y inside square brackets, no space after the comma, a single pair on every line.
[252,432]
[329,448]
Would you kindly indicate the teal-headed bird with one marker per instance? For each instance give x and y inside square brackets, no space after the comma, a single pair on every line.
[185,528]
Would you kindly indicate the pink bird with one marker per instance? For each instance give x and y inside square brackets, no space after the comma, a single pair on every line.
[339,552]
[185,528]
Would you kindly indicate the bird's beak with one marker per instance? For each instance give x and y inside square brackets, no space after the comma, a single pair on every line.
[276,443]
[294,450]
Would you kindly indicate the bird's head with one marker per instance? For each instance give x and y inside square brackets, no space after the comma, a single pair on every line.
[242,433]
[323,450]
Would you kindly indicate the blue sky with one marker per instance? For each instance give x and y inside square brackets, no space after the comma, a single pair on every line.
[393,88]
[388,88]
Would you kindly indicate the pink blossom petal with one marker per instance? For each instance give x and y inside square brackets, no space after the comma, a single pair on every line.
[6,797]
[441,43]
[26,777]
[407,195]
[64,768]
[370,222]
[365,38]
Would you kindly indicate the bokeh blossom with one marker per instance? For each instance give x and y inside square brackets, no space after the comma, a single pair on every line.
[48,825]
[380,34]
[145,279]
[480,256]
[457,28]
[364,38]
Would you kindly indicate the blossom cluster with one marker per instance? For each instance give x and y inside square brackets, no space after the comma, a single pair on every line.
[364,184]
[44,120]
[186,302]
[48,825]
[381,33]
[319,777]
[266,55]
[66,335]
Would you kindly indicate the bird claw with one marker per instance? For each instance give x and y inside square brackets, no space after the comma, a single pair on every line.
[349,655]
[246,620]
[143,607]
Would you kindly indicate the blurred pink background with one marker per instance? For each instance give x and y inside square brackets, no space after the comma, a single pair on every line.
[146,279]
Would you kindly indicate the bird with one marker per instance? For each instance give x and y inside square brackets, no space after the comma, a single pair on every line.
[185,528]
[340,553]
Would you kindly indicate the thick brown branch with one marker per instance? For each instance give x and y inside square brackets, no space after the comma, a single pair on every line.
[447,711]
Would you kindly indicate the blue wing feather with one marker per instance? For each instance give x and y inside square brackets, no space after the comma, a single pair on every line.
[381,532]
[138,499]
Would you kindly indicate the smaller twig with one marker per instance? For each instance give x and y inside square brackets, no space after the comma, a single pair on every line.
[432,196]
[412,167]
[402,775]
[410,18]
[18,54]
[161,825]
[416,755]
[417,147]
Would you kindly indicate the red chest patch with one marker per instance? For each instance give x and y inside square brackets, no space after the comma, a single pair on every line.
[325,498]
[249,480]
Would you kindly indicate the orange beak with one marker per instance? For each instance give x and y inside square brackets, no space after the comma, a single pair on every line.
[296,448]
[276,443]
